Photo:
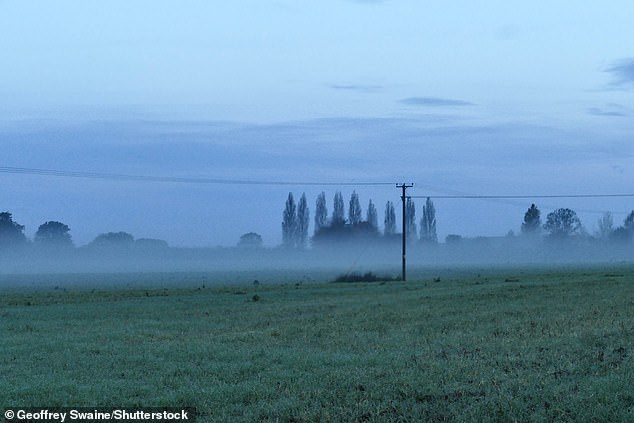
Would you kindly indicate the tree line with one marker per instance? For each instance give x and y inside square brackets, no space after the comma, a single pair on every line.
[337,226]
[564,223]
[55,236]
[353,226]
[560,224]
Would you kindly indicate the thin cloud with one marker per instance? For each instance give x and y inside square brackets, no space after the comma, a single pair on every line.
[357,87]
[622,72]
[596,111]
[434,102]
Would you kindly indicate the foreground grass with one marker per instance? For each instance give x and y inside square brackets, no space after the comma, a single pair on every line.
[504,347]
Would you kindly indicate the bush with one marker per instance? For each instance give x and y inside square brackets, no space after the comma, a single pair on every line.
[366,277]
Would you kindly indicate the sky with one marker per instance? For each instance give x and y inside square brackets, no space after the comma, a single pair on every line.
[488,97]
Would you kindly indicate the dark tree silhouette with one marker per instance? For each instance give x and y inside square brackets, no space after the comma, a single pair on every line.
[410,221]
[625,233]
[11,233]
[54,234]
[354,211]
[321,212]
[428,223]
[303,219]
[389,228]
[372,217]
[338,212]
[532,221]
[289,222]
[250,240]
[562,223]
[628,223]
[605,226]
[453,239]
[115,240]
[345,234]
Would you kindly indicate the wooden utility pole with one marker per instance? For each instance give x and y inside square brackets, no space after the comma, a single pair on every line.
[404,186]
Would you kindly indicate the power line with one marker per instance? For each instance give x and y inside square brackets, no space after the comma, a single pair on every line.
[508,197]
[146,178]
[223,181]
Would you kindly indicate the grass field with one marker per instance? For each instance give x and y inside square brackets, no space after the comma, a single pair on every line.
[506,345]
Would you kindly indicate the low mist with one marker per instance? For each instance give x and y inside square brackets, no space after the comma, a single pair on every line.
[157,264]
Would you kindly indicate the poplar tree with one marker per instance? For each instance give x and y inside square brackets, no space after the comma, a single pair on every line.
[390,219]
[410,220]
[303,219]
[289,222]
[354,211]
[338,212]
[428,223]
[372,217]
[321,212]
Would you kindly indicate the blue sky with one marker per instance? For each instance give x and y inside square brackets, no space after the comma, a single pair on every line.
[485,97]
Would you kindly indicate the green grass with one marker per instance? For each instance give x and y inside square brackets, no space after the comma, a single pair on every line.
[499,346]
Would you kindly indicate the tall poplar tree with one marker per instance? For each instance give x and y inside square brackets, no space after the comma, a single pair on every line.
[428,223]
[321,212]
[372,217]
[338,212]
[303,219]
[289,222]
[354,211]
[410,220]
[390,220]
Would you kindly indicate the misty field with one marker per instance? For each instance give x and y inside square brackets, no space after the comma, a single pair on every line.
[503,345]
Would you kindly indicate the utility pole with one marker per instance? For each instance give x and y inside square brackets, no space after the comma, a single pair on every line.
[404,186]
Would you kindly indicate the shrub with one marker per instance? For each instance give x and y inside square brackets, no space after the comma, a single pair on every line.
[366,277]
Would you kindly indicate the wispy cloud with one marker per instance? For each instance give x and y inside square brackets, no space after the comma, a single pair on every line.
[364,88]
[623,73]
[434,102]
[596,111]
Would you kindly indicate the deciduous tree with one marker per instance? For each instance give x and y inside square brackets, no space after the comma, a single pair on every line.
[562,223]
[54,234]
[250,240]
[11,233]
[605,226]
[114,240]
